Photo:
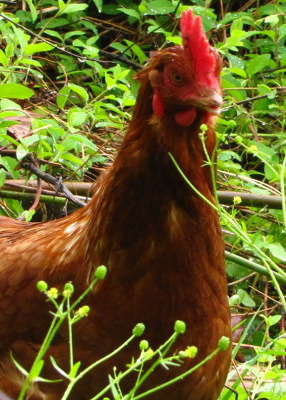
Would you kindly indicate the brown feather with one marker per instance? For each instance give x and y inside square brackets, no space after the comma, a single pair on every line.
[161,243]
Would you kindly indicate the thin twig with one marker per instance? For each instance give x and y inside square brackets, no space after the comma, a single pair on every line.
[27,164]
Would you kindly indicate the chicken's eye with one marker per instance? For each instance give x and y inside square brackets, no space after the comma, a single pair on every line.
[177,78]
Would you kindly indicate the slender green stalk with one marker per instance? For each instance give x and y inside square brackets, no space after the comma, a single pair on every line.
[283,194]
[235,227]
[180,377]
[210,162]
[70,334]
[162,352]
[89,368]
[54,327]
[191,185]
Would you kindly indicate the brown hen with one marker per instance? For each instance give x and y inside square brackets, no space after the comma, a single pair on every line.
[160,241]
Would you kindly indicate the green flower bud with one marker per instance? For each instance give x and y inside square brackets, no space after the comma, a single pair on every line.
[238,139]
[69,286]
[100,272]
[231,124]
[203,127]
[180,327]
[138,330]
[68,290]
[223,343]
[143,345]
[42,286]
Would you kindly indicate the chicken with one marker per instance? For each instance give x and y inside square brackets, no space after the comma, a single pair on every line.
[160,241]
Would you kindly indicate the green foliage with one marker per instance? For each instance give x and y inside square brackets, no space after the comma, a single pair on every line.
[70,50]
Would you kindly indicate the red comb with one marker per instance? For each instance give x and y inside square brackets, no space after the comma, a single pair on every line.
[197,46]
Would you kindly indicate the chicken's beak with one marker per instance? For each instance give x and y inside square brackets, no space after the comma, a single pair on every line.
[212,103]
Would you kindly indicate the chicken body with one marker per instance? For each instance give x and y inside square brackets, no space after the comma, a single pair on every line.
[160,241]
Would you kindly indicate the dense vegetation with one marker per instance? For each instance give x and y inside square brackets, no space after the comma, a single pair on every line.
[66,96]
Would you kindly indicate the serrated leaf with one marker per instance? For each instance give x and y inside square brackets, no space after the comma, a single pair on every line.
[15,91]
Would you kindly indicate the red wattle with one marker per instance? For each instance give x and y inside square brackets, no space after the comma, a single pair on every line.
[186,118]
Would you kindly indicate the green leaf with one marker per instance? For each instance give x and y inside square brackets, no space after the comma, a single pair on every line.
[76,118]
[7,104]
[62,5]
[2,176]
[245,299]
[238,71]
[237,25]
[37,48]
[10,164]
[9,51]
[259,63]
[272,20]
[273,319]
[33,10]
[130,12]
[53,33]
[159,7]
[72,158]
[98,4]
[4,60]
[234,40]
[263,89]
[15,91]
[277,251]
[64,94]
[28,215]
[71,140]
[74,370]
[71,8]
[138,51]
[29,61]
